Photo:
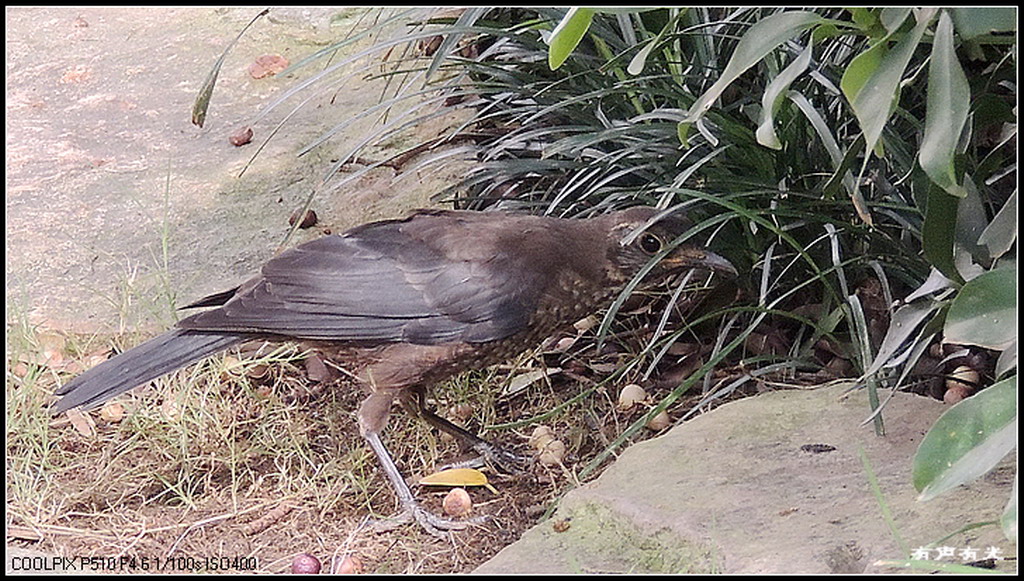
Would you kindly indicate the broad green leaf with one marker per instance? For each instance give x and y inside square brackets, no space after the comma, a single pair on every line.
[825,32]
[861,68]
[1001,233]
[949,98]
[984,312]
[971,221]
[967,440]
[762,38]
[972,22]
[864,65]
[879,93]
[867,20]
[938,232]
[568,34]
[773,95]
[892,17]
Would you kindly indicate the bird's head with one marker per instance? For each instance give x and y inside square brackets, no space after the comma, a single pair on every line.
[640,234]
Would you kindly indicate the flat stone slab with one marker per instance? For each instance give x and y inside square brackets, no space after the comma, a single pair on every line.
[733,491]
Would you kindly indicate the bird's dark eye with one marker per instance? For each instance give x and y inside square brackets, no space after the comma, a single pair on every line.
[650,243]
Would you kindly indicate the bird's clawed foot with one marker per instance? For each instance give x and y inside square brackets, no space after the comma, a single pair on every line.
[432,523]
[501,459]
[411,509]
[504,460]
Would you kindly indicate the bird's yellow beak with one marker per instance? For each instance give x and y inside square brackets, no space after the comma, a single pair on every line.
[696,257]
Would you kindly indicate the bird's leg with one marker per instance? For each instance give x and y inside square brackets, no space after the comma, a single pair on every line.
[411,508]
[414,401]
[372,416]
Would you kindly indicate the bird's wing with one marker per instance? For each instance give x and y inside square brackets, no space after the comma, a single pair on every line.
[381,284]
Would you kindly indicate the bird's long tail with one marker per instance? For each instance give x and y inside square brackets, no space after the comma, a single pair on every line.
[158,356]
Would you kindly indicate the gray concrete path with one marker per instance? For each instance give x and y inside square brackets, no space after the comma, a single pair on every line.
[116,202]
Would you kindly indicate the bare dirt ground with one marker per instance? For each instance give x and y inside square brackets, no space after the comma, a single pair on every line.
[114,198]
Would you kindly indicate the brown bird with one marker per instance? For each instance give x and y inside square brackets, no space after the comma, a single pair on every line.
[407,303]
